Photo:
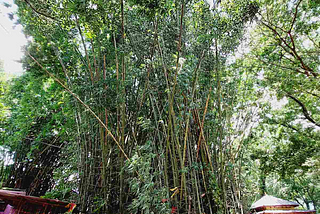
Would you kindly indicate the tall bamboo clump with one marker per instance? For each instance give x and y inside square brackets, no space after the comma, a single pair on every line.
[159,126]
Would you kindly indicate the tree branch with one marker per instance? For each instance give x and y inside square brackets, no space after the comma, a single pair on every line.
[39,12]
[292,49]
[294,17]
[280,66]
[287,125]
[304,110]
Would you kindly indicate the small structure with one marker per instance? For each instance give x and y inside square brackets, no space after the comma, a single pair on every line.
[17,202]
[272,205]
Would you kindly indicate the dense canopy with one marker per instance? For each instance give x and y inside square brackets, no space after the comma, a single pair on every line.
[169,106]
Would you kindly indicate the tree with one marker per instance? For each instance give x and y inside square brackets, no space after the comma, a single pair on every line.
[284,48]
[3,116]
[35,132]
[162,114]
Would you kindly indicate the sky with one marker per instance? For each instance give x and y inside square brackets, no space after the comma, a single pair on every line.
[12,40]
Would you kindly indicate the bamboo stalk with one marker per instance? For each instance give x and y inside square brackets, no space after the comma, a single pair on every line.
[220,132]
[83,104]
[187,123]
[97,77]
[85,49]
[123,106]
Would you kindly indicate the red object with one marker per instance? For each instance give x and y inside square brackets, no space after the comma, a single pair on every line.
[173,209]
[164,200]
[71,207]
[269,202]
[287,212]
[18,202]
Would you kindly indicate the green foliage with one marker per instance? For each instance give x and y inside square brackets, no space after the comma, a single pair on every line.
[35,131]
[4,113]
[3,108]
[152,8]
[181,116]
[147,192]
[285,46]
[284,54]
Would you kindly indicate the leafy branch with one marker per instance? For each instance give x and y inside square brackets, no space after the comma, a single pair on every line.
[304,110]
[39,12]
[291,49]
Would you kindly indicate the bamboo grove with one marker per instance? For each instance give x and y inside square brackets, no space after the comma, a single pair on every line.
[161,112]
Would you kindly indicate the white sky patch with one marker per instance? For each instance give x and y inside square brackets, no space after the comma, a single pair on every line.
[261,75]
[278,104]
[307,44]
[11,40]
[210,2]
[5,156]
